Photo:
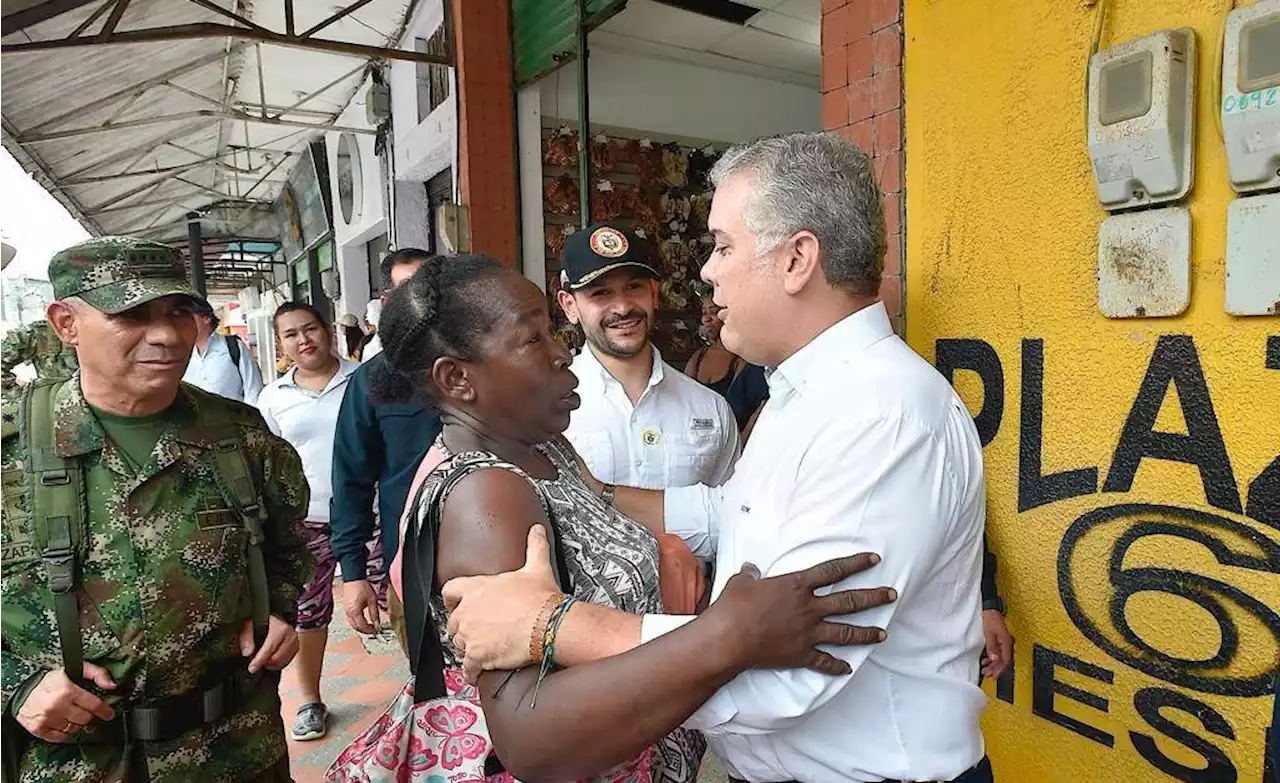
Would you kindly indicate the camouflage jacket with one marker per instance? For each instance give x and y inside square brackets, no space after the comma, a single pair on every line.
[37,344]
[163,590]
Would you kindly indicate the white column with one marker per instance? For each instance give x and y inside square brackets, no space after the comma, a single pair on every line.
[533,247]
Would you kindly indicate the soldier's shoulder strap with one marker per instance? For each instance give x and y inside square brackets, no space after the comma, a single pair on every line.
[236,482]
[56,486]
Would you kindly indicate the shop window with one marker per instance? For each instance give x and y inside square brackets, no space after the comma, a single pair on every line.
[433,80]
[301,273]
[321,270]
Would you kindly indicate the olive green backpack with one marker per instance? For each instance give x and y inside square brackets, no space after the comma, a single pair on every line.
[56,492]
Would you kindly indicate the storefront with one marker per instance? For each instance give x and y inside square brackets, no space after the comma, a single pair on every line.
[306,235]
[667,91]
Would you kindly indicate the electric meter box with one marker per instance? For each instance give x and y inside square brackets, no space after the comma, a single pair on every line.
[1142,119]
[1251,96]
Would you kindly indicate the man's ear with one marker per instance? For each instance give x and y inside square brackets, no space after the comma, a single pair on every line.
[63,318]
[569,305]
[800,262]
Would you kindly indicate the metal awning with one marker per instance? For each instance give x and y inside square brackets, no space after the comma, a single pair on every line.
[135,113]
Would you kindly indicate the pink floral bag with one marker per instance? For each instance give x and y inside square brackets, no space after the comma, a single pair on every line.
[437,741]
[444,738]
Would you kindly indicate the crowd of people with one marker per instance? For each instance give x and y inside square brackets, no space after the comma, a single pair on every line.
[598,566]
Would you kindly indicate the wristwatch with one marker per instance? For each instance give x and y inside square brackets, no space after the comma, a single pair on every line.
[996,603]
[607,494]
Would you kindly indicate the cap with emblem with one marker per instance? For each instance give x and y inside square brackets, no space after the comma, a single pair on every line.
[114,274]
[601,248]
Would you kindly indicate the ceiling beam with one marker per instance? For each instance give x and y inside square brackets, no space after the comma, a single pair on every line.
[213,160]
[151,203]
[263,178]
[127,92]
[341,14]
[229,114]
[197,30]
[20,20]
[217,9]
[274,109]
[145,187]
[102,9]
[316,93]
[144,148]
[110,26]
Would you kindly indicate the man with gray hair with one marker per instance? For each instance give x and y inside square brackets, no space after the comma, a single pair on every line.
[862,447]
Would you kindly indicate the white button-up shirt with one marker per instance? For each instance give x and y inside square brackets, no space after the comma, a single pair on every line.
[862,447]
[679,433]
[308,420]
[217,374]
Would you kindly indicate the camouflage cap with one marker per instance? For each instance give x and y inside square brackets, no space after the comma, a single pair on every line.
[114,274]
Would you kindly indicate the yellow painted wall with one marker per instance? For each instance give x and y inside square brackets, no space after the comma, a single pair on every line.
[1002,230]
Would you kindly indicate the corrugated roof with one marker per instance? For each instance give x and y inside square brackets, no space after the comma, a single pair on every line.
[133,136]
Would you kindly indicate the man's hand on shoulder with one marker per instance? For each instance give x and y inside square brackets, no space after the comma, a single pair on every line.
[491,618]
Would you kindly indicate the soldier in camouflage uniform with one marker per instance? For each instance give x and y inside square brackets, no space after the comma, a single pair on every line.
[35,343]
[176,683]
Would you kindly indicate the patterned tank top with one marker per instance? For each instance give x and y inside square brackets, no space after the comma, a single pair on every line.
[611,559]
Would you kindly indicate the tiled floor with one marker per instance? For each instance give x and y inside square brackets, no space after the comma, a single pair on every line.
[359,681]
[357,685]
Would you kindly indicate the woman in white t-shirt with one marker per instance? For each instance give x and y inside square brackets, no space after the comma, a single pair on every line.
[302,407]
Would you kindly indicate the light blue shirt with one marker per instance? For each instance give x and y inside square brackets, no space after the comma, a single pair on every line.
[217,374]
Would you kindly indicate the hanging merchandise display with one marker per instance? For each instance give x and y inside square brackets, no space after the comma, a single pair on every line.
[660,191]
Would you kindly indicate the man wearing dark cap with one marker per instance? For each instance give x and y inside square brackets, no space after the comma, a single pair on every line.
[151,559]
[642,422]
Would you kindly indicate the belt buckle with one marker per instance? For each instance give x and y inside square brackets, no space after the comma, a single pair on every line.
[213,703]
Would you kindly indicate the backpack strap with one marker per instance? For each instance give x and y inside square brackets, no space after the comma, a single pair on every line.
[233,350]
[56,487]
[238,489]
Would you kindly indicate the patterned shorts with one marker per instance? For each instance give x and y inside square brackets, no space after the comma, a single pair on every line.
[315,605]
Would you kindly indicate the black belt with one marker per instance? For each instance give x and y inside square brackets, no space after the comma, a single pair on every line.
[982,766]
[171,717]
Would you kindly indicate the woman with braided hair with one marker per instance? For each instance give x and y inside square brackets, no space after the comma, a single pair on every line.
[475,337]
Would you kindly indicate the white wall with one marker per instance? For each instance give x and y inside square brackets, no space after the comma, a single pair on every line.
[422,149]
[369,214]
[662,96]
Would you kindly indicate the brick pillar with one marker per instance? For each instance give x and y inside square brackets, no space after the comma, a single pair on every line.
[862,99]
[486,132]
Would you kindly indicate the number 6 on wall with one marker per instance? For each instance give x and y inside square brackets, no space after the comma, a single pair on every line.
[1097,589]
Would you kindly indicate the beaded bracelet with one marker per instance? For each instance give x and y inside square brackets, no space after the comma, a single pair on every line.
[549,646]
[537,638]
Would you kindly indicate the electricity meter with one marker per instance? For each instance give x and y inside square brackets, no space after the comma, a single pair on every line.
[1142,119]
[1251,96]
[1144,263]
[1253,255]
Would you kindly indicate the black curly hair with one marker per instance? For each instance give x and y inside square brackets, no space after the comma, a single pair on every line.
[441,311]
